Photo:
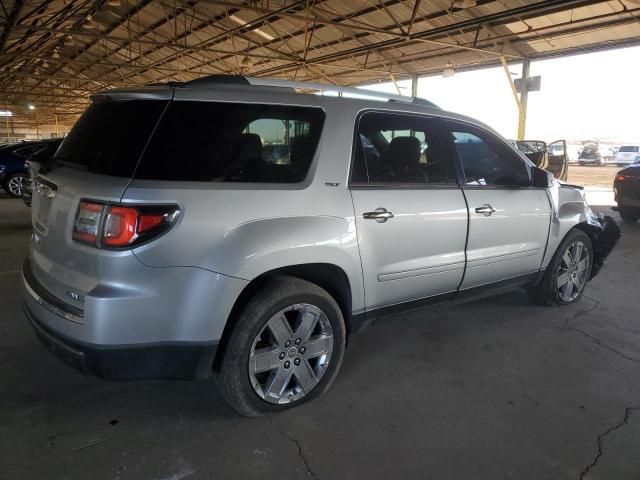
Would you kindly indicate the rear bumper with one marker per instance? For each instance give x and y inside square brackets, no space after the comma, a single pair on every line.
[120,338]
[626,200]
[185,361]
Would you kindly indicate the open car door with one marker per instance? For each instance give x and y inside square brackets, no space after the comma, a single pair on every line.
[534,150]
[558,160]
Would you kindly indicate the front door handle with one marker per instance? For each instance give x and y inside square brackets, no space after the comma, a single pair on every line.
[380,215]
[486,210]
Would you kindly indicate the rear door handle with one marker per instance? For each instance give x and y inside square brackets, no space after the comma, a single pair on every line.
[380,215]
[485,210]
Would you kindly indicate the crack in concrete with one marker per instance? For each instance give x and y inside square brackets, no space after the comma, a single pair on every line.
[298,445]
[568,327]
[596,340]
[601,437]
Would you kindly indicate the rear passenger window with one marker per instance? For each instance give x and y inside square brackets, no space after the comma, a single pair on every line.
[230,142]
[485,160]
[394,148]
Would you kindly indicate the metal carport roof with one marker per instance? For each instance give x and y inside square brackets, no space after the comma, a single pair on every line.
[54,53]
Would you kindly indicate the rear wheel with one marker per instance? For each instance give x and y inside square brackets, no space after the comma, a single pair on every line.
[629,214]
[568,271]
[285,349]
[14,185]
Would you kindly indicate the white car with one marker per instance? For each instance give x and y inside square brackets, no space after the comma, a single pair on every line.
[627,154]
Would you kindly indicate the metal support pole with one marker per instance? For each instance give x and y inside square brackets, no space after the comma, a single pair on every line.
[524,96]
[414,85]
[522,107]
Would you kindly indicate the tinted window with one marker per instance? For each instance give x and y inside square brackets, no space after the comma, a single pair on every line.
[398,149]
[233,142]
[486,160]
[110,136]
[45,152]
[629,148]
[27,151]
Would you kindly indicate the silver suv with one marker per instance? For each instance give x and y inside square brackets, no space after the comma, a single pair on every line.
[239,229]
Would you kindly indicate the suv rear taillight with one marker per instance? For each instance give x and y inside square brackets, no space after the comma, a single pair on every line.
[121,226]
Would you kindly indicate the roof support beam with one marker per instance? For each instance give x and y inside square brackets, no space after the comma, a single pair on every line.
[11,23]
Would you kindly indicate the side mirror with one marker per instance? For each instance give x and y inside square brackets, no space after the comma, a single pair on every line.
[541,178]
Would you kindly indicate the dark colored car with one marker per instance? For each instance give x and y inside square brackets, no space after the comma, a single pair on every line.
[13,169]
[35,162]
[590,156]
[626,188]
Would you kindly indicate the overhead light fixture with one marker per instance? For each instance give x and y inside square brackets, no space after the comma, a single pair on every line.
[448,71]
[68,40]
[31,106]
[462,4]
[246,62]
[6,113]
[89,23]
[257,31]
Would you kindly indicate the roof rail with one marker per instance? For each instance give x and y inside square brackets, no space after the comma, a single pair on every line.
[325,87]
[217,80]
[308,86]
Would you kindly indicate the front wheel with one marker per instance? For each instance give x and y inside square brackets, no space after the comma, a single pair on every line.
[568,271]
[285,349]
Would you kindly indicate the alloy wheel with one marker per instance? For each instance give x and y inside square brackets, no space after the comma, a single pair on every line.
[16,184]
[573,271]
[291,354]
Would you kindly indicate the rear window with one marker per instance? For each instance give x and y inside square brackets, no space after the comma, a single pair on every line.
[110,136]
[233,142]
[629,148]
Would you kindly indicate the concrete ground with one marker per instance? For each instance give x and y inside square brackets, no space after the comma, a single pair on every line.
[496,389]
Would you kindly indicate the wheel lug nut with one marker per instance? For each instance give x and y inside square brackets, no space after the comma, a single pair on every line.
[302,349]
[296,361]
[298,341]
[281,356]
[287,364]
[287,343]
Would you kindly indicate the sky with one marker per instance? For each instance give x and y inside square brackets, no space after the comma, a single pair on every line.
[582,97]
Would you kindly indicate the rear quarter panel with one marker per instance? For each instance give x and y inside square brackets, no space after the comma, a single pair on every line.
[245,230]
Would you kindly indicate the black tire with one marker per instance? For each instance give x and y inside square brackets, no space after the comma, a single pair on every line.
[231,374]
[629,214]
[7,185]
[547,292]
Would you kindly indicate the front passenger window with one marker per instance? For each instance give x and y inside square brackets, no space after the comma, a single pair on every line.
[485,160]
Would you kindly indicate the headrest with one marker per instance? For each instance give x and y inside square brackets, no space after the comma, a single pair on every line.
[301,153]
[402,153]
[247,146]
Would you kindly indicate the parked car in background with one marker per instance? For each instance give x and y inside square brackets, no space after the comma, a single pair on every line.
[34,164]
[590,156]
[626,189]
[626,155]
[552,157]
[255,272]
[13,169]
